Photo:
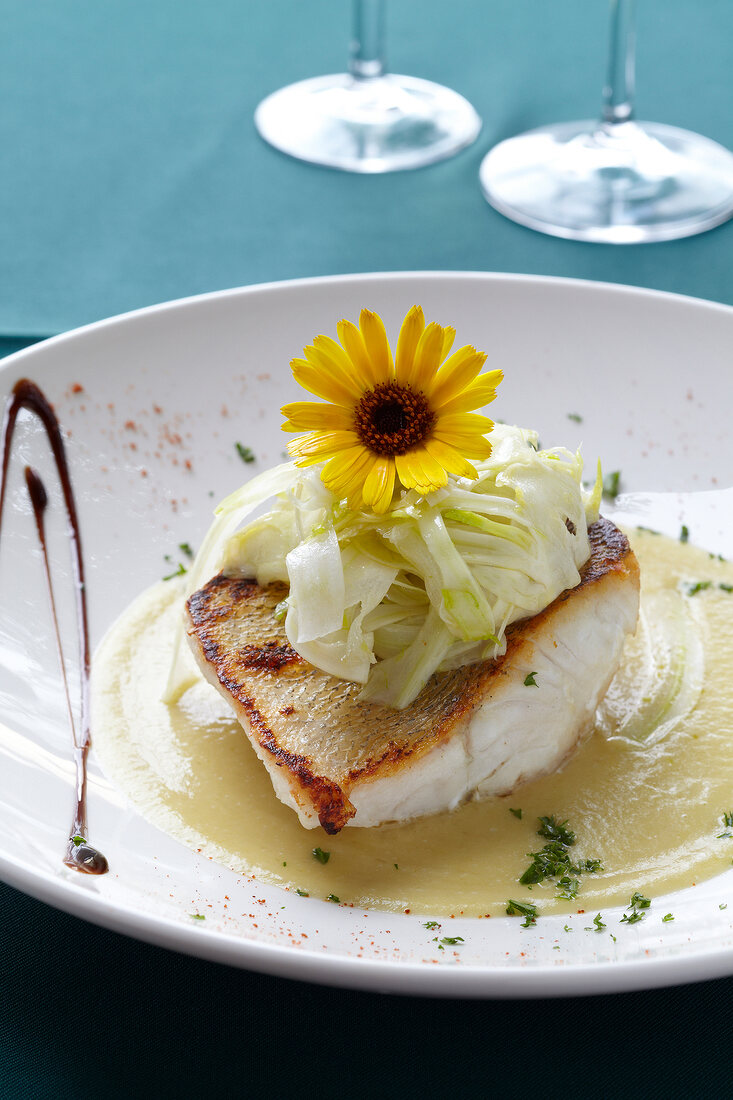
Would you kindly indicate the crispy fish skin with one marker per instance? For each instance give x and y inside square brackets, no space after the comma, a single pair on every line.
[472,732]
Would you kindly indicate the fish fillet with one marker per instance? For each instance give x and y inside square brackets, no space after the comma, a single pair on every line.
[472,732]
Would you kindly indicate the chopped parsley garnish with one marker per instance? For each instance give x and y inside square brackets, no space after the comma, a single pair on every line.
[576,417]
[320,855]
[517,813]
[728,817]
[612,484]
[77,840]
[723,905]
[554,830]
[431,925]
[333,898]
[281,610]
[529,680]
[554,862]
[725,587]
[178,573]
[244,453]
[567,928]
[198,916]
[684,533]
[598,922]
[637,904]
[698,586]
[185,548]
[396,866]
[667,918]
[522,909]
[302,893]
[451,941]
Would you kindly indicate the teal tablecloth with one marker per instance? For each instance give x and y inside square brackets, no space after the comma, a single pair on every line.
[131,173]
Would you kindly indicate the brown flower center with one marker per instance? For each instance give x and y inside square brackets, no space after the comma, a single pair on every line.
[390,419]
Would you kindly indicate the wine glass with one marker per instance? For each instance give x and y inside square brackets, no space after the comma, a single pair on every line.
[367,120]
[616,181]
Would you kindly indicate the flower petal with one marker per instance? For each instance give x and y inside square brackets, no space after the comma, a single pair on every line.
[449,458]
[449,335]
[354,346]
[377,345]
[471,446]
[463,424]
[427,358]
[323,383]
[410,333]
[480,393]
[337,366]
[418,470]
[322,443]
[456,373]
[305,416]
[346,470]
[379,485]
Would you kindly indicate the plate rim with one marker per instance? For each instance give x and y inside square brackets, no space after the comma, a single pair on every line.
[400,976]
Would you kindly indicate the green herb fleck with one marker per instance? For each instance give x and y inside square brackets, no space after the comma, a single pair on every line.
[667,918]
[723,905]
[517,813]
[612,484]
[698,586]
[576,417]
[684,533]
[77,840]
[637,904]
[725,587]
[244,453]
[554,830]
[612,936]
[568,928]
[638,901]
[178,573]
[632,918]
[431,924]
[598,922]
[529,680]
[285,863]
[185,548]
[727,818]
[334,899]
[396,866]
[198,916]
[302,893]
[522,909]
[320,855]
[451,941]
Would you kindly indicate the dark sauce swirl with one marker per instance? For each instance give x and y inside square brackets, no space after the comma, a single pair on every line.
[79,855]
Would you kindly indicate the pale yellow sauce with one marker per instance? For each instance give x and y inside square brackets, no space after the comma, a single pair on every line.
[650,811]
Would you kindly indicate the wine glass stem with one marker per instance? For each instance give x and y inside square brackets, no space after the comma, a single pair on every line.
[618,93]
[367,43]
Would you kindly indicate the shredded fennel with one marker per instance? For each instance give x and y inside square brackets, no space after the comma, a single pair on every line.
[387,600]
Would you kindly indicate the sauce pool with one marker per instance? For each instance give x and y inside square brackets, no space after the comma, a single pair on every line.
[645,793]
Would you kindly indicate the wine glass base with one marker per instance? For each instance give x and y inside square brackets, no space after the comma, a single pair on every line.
[625,183]
[380,124]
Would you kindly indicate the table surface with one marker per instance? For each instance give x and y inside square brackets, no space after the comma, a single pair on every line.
[133,174]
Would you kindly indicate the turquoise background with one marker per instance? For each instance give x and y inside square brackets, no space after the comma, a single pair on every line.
[131,173]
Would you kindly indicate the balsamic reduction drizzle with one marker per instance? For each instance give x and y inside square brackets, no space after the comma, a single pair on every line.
[80,855]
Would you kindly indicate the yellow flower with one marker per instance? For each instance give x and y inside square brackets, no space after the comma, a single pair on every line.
[405,421]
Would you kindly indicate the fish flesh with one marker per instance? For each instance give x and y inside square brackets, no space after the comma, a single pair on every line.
[472,732]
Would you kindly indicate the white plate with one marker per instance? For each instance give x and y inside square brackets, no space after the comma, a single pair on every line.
[174,387]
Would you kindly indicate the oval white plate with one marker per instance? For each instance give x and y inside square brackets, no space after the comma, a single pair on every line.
[154,402]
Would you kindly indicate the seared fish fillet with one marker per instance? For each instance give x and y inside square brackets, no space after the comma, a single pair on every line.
[472,732]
